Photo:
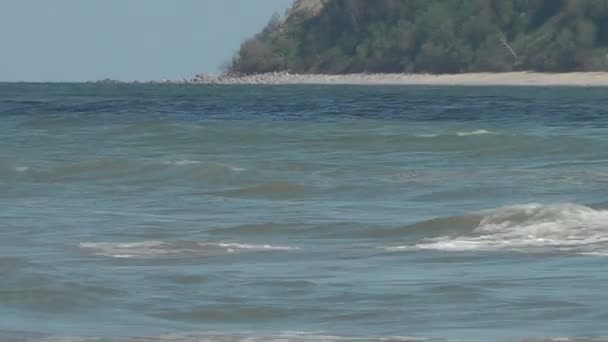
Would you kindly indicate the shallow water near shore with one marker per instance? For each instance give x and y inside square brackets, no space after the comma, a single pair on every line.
[302,213]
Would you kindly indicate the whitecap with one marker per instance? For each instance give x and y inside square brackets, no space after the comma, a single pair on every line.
[231,167]
[235,337]
[21,168]
[183,162]
[256,337]
[562,228]
[241,246]
[189,162]
[476,132]
[160,249]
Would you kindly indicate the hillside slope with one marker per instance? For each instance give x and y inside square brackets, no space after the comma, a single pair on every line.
[430,36]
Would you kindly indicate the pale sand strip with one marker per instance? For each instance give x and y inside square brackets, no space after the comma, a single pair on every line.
[597,79]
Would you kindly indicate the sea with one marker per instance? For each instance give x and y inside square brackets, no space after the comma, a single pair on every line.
[190,213]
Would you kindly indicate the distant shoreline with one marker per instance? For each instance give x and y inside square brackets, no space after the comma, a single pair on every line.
[587,79]
[520,78]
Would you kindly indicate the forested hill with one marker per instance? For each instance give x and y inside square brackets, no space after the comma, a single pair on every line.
[430,36]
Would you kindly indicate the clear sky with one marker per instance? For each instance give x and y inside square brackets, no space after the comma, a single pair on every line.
[80,40]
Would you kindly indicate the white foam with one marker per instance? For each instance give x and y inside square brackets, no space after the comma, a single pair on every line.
[280,337]
[599,176]
[477,132]
[21,168]
[155,249]
[231,167]
[183,162]
[244,337]
[241,246]
[189,162]
[460,134]
[128,245]
[568,228]
[123,256]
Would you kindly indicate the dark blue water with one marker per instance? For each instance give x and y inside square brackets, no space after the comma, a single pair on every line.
[299,213]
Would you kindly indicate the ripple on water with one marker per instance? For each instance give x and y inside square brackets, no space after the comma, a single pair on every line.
[46,293]
[274,189]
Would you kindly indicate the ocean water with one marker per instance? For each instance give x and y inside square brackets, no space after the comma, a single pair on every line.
[302,213]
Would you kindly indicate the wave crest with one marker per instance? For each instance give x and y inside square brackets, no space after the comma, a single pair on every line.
[476,132]
[568,228]
[162,249]
[216,337]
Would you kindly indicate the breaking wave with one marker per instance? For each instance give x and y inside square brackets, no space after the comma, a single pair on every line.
[566,228]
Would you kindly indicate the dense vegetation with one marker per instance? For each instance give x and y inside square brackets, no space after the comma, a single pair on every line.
[436,36]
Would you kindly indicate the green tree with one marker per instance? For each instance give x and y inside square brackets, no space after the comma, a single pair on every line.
[436,36]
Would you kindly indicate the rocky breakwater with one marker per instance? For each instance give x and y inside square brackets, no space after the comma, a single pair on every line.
[268,78]
[522,78]
[585,79]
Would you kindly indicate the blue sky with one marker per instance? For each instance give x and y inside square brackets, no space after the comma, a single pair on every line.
[80,40]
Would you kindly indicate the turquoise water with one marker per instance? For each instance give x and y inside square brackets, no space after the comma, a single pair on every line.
[299,213]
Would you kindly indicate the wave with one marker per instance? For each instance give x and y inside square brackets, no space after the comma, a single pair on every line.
[257,229]
[182,162]
[231,168]
[13,170]
[216,165]
[329,230]
[287,336]
[476,132]
[216,337]
[561,228]
[460,134]
[275,189]
[162,249]
[109,168]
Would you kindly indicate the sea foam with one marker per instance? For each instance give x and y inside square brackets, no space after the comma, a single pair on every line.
[160,249]
[567,228]
[235,337]
[189,162]
[476,132]
[182,162]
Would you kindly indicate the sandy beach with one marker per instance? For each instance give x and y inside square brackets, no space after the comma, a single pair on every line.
[585,79]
